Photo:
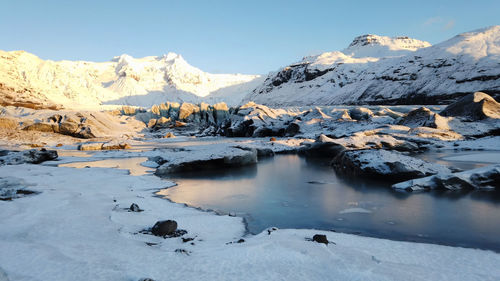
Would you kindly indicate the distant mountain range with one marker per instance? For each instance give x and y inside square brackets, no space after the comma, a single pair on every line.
[382,70]
[372,70]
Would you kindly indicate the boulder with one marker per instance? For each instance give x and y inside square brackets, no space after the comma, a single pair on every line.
[474,107]
[166,227]
[151,123]
[189,112]
[31,156]
[320,238]
[169,135]
[135,208]
[90,146]
[424,117]
[292,129]
[241,159]
[264,152]
[34,156]
[481,178]
[42,127]
[324,147]
[386,165]
[112,145]
[360,113]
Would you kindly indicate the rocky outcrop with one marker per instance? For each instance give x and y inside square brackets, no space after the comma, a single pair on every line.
[83,125]
[32,156]
[474,107]
[424,117]
[112,145]
[386,165]
[229,157]
[323,147]
[481,178]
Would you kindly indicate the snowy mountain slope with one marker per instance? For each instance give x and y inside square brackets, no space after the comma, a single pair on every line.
[382,70]
[124,80]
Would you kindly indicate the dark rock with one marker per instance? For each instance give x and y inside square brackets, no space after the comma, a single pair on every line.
[34,156]
[135,208]
[424,117]
[320,238]
[166,227]
[146,279]
[292,129]
[323,147]
[474,107]
[264,152]
[240,241]
[187,239]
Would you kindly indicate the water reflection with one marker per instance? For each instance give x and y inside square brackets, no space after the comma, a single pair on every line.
[133,165]
[289,191]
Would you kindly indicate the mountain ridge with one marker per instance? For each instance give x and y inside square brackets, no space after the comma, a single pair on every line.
[466,63]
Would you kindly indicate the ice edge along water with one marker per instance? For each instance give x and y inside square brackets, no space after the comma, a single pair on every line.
[101,240]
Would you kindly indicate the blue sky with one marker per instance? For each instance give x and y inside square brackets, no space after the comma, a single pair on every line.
[226,36]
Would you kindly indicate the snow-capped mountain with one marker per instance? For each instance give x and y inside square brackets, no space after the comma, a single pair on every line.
[25,78]
[382,70]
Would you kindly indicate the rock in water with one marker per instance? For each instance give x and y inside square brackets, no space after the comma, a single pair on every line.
[320,238]
[386,165]
[162,228]
[481,178]
[474,107]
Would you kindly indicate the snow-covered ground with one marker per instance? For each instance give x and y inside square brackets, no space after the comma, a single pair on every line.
[78,228]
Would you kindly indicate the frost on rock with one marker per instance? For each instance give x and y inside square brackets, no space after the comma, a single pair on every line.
[203,158]
[481,178]
[474,107]
[387,165]
[31,156]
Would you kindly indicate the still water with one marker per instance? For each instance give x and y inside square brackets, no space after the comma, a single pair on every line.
[289,191]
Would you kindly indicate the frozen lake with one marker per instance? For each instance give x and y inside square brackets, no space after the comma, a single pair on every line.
[289,191]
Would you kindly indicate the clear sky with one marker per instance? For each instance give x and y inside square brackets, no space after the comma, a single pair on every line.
[226,36]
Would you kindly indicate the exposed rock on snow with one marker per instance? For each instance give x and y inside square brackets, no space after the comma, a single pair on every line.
[387,165]
[208,158]
[474,107]
[79,124]
[324,147]
[385,71]
[135,208]
[481,178]
[320,238]
[424,117]
[112,145]
[166,227]
[32,156]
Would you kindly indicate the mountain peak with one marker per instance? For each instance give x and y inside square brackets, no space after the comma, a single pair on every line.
[371,45]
